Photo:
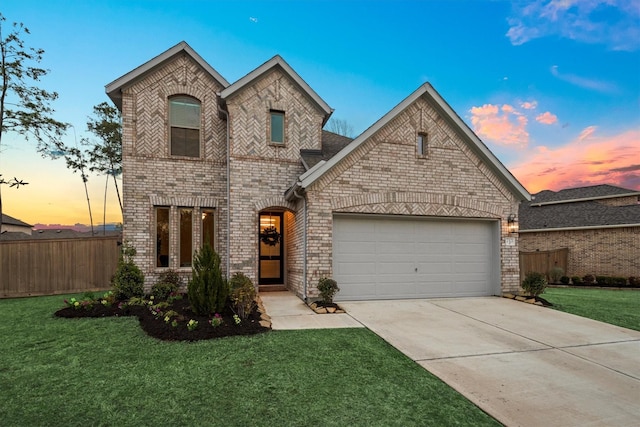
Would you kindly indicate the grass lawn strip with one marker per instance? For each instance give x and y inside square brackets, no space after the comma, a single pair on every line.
[617,307]
[107,371]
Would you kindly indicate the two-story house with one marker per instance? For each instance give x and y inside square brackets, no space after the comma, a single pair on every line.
[416,206]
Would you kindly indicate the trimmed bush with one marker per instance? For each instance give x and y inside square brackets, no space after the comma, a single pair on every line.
[565,280]
[207,290]
[589,279]
[328,289]
[128,280]
[534,283]
[242,294]
[634,281]
[168,283]
[555,274]
[619,282]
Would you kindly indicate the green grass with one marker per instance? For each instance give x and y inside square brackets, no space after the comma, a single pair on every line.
[78,372]
[617,307]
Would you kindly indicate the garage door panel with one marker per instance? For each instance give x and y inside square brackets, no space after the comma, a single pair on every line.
[382,257]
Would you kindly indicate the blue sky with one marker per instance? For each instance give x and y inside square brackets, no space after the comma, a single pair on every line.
[552,87]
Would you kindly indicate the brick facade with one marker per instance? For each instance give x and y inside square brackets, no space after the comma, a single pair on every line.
[384,175]
[604,251]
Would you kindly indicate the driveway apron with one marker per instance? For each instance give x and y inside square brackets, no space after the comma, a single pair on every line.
[523,364]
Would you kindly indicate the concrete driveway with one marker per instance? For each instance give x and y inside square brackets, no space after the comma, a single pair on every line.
[525,365]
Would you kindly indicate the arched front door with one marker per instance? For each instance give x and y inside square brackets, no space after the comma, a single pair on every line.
[271,252]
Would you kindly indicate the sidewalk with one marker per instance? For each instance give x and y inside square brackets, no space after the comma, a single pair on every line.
[287,311]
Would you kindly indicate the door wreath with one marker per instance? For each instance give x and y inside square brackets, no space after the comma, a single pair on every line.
[270,236]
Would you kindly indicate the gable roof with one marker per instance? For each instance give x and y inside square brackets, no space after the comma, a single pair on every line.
[578,208]
[114,89]
[452,118]
[332,143]
[594,192]
[274,62]
[9,220]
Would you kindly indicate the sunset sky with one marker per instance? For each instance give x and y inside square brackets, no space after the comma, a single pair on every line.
[552,87]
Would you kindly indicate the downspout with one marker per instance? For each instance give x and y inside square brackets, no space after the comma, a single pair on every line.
[220,110]
[304,246]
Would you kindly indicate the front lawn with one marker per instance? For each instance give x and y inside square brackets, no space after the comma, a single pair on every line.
[107,371]
[617,307]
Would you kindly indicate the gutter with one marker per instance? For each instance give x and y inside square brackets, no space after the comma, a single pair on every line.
[586,227]
[304,240]
[226,114]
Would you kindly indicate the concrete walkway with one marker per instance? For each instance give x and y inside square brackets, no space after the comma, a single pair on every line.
[525,365]
[287,311]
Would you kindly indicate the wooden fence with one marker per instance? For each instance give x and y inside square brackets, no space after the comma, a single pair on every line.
[50,267]
[543,261]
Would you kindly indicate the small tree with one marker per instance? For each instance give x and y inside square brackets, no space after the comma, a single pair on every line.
[340,126]
[128,281]
[207,290]
[534,283]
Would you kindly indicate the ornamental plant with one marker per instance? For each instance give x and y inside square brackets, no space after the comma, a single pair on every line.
[128,280]
[242,294]
[216,321]
[207,289]
[534,283]
[192,325]
[327,288]
[169,282]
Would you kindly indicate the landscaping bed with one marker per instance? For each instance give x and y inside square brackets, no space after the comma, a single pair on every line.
[173,320]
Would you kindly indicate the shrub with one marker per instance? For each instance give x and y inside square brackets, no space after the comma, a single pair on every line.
[243,294]
[128,280]
[603,280]
[327,288]
[168,282]
[619,281]
[634,281]
[589,279]
[565,280]
[576,280]
[534,283]
[207,290]
[555,274]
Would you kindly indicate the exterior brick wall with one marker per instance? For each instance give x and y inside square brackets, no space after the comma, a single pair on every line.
[151,177]
[605,251]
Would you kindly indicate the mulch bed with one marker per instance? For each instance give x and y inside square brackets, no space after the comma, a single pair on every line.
[156,326]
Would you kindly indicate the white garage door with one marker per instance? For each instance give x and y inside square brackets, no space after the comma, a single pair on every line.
[378,257]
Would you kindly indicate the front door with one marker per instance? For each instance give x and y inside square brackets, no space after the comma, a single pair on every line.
[271,243]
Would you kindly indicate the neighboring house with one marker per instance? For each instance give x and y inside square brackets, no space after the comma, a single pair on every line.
[416,206]
[600,225]
[13,225]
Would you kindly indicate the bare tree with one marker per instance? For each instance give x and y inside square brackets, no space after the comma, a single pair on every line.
[24,107]
[340,126]
[105,154]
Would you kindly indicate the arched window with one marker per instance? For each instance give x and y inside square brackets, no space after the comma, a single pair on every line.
[184,120]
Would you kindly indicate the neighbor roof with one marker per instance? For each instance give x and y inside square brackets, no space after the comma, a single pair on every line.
[9,220]
[114,89]
[274,62]
[593,192]
[578,208]
[454,120]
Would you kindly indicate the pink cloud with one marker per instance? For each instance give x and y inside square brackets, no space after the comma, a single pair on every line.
[587,132]
[547,118]
[500,125]
[587,160]
[529,105]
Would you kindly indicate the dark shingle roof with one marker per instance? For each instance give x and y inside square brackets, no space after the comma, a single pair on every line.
[571,214]
[332,143]
[595,191]
[6,219]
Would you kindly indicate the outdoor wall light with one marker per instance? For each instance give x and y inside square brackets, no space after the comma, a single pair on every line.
[512,223]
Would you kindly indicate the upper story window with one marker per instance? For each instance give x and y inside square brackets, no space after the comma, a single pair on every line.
[276,126]
[421,144]
[184,119]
